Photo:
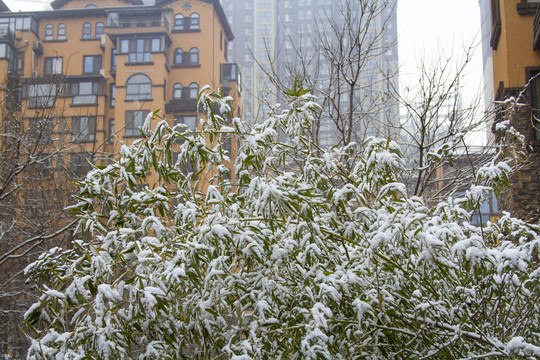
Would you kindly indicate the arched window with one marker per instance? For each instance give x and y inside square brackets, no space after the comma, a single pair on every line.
[87,31]
[177,91]
[193,90]
[139,87]
[178,56]
[179,22]
[194,21]
[90,6]
[100,29]
[194,56]
[61,32]
[48,32]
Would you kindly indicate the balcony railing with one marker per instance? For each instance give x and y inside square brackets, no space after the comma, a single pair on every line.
[181,105]
[139,23]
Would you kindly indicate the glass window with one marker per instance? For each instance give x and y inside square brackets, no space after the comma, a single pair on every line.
[156,45]
[193,90]
[61,32]
[194,22]
[84,92]
[139,87]
[40,130]
[113,95]
[194,56]
[49,32]
[189,121]
[134,121]
[83,128]
[91,64]
[41,95]
[178,56]
[100,30]
[87,31]
[52,66]
[140,50]
[110,133]
[179,22]
[177,91]
[80,163]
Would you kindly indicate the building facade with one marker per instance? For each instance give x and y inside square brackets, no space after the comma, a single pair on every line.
[78,82]
[515,44]
[282,40]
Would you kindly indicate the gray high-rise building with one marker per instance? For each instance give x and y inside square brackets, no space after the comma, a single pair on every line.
[346,51]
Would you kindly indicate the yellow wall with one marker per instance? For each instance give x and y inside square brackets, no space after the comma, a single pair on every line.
[515,49]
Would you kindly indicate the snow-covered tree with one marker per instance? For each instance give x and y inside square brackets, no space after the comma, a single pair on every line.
[297,255]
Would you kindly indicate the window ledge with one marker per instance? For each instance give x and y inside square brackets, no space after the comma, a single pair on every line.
[82,105]
[186,31]
[55,41]
[137,100]
[187,66]
[139,63]
[90,39]
[132,136]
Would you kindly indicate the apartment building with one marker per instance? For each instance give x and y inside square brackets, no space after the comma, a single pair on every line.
[515,46]
[77,83]
[279,40]
[101,66]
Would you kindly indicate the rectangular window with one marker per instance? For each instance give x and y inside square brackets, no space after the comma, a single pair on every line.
[91,64]
[189,121]
[113,95]
[140,50]
[40,130]
[495,23]
[84,92]
[19,63]
[53,66]
[41,95]
[110,132]
[80,163]
[134,121]
[83,128]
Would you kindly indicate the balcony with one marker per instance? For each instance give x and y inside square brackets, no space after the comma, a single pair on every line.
[7,35]
[181,105]
[125,22]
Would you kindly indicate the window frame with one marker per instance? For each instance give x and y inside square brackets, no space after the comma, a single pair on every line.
[86,31]
[75,92]
[48,34]
[179,22]
[194,22]
[178,88]
[138,95]
[45,131]
[99,29]
[79,163]
[131,128]
[53,65]
[40,99]
[89,133]
[96,65]
[193,91]
[61,32]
